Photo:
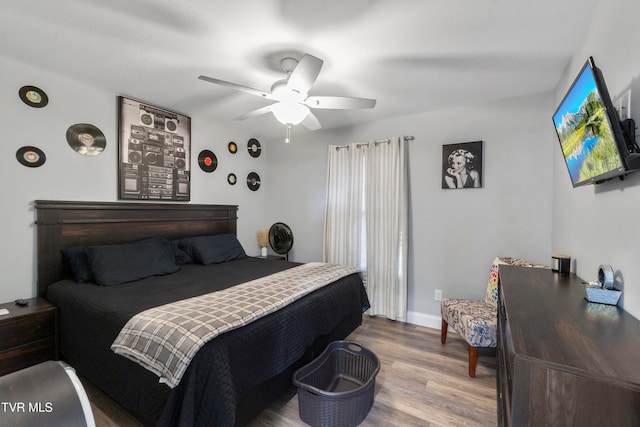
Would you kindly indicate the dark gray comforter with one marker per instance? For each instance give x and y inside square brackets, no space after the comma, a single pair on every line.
[225,370]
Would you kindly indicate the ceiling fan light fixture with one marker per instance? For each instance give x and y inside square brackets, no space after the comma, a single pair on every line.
[289,112]
[292,105]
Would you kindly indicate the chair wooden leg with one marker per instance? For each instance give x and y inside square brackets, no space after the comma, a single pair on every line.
[443,331]
[473,360]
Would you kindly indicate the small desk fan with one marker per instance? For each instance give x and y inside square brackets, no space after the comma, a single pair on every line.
[281,239]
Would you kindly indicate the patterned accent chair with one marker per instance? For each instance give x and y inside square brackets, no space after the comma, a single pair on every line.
[477,321]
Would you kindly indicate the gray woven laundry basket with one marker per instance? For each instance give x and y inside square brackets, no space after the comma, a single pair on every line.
[336,389]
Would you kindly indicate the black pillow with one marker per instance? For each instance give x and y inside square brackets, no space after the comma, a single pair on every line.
[116,264]
[213,249]
[163,241]
[79,263]
[182,256]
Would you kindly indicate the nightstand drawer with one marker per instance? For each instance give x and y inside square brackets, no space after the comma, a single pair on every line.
[27,355]
[26,329]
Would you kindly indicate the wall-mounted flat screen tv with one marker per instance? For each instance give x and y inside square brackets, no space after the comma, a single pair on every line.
[589,130]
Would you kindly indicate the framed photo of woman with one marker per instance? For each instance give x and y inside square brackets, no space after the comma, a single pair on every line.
[462,165]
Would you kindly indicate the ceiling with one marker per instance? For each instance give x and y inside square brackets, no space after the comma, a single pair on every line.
[412,56]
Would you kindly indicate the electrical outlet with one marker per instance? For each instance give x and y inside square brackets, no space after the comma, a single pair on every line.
[438,295]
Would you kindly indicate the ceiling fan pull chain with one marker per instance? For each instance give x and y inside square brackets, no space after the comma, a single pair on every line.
[288,138]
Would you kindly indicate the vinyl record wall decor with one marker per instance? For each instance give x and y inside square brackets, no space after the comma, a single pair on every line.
[33,96]
[253,146]
[31,157]
[253,181]
[86,139]
[208,161]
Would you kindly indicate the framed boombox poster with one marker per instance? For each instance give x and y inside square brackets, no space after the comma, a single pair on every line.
[154,153]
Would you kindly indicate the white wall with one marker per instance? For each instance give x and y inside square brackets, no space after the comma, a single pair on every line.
[455,234]
[597,224]
[66,175]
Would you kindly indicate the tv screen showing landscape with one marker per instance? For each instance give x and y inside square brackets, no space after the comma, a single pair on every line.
[585,134]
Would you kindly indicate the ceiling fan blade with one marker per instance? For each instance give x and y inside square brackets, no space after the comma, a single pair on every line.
[236,86]
[339,102]
[311,122]
[305,74]
[254,113]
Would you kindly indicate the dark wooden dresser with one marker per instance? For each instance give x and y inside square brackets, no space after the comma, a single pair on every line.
[28,335]
[563,361]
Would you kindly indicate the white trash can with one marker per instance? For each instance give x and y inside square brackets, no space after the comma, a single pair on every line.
[47,394]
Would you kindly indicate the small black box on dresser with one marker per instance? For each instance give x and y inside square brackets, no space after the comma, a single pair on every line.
[28,334]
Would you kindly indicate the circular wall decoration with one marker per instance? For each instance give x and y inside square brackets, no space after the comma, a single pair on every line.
[231,179]
[33,96]
[31,157]
[254,147]
[233,147]
[86,139]
[208,161]
[253,181]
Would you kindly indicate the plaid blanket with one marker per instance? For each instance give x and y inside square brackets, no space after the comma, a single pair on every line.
[164,339]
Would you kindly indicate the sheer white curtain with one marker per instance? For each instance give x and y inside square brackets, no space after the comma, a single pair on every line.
[343,228]
[366,219]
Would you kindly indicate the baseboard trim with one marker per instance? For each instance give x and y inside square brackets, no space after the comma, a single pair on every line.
[427,320]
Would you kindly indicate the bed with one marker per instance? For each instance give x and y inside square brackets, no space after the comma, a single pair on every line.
[231,378]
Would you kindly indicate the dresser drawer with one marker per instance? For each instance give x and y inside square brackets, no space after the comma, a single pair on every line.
[23,330]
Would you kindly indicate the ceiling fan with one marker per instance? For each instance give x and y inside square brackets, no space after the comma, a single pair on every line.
[292,104]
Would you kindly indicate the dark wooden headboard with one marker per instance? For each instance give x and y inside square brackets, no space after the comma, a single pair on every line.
[64,224]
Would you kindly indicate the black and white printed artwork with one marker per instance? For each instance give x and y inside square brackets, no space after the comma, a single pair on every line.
[462,165]
[154,152]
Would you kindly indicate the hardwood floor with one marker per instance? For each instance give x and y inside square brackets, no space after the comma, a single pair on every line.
[421,383]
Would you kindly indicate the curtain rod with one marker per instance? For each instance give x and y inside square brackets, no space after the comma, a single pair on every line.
[376,142]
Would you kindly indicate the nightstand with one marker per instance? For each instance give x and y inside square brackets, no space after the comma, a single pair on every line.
[28,335]
[280,257]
